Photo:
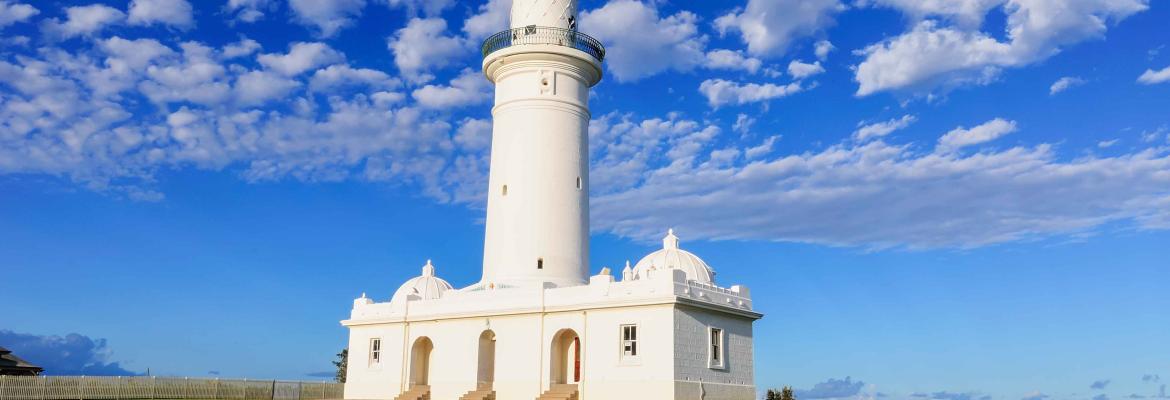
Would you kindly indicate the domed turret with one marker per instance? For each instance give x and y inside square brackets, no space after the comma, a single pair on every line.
[672,257]
[426,286]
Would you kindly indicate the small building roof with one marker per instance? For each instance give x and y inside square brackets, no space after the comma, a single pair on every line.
[10,364]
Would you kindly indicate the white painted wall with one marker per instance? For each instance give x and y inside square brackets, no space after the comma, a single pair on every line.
[540,144]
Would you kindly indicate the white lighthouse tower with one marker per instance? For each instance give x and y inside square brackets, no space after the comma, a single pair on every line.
[538,202]
[537,325]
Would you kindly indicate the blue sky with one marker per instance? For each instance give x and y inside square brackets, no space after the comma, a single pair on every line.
[931,200]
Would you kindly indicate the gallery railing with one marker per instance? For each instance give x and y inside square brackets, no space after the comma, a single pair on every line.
[544,35]
[161,388]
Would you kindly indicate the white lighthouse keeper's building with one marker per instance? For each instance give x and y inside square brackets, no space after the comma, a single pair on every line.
[537,325]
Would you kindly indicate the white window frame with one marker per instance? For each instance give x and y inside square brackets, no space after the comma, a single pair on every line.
[375,351]
[627,359]
[716,348]
[631,342]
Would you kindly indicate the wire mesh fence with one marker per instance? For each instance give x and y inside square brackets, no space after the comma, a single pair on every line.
[161,388]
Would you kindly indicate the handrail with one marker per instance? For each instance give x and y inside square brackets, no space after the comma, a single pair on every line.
[544,35]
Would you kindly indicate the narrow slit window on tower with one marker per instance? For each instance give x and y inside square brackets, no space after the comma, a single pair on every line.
[578,183]
[504,190]
[540,263]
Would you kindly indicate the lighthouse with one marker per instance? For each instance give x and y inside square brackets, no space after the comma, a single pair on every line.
[537,226]
[537,325]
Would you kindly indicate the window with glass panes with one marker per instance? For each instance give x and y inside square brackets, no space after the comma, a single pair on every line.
[375,350]
[629,340]
[716,347]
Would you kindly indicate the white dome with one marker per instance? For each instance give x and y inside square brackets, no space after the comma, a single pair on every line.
[672,257]
[427,286]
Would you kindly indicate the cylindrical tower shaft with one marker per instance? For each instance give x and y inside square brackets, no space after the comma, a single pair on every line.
[538,197]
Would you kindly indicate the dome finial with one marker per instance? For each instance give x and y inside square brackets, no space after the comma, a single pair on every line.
[670,241]
[428,270]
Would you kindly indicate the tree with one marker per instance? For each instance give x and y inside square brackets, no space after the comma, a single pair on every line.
[782,394]
[341,363]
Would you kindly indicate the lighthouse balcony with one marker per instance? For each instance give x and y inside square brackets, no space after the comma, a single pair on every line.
[542,35]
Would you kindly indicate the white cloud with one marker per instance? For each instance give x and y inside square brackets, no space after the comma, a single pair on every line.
[11,13]
[720,92]
[880,129]
[342,76]
[1152,77]
[770,26]
[244,47]
[1065,83]
[198,78]
[83,21]
[474,134]
[301,57]
[731,60]
[986,132]
[956,200]
[743,124]
[940,57]
[968,13]
[469,88]
[64,116]
[423,45]
[428,7]
[933,56]
[823,48]
[258,87]
[328,16]
[640,44]
[801,70]
[176,13]
[249,10]
[763,149]
[1105,144]
[491,18]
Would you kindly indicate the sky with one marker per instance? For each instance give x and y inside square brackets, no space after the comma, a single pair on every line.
[952,200]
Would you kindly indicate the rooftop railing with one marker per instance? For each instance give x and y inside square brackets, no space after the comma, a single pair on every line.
[544,35]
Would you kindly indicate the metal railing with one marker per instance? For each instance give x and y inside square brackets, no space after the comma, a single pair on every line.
[544,35]
[161,388]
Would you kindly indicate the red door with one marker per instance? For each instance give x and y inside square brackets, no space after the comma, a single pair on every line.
[576,359]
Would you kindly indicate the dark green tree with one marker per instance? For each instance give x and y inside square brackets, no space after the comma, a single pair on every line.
[341,363]
[787,394]
[782,394]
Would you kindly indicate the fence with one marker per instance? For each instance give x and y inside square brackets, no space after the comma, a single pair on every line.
[159,388]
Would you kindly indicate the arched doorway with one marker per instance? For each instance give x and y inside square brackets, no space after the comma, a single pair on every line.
[487,359]
[420,361]
[566,357]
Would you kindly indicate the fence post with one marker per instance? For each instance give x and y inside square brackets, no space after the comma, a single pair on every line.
[215,393]
[81,388]
[153,382]
[186,387]
[3,381]
[118,389]
[44,386]
[245,396]
[300,390]
[272,394]
[323,387]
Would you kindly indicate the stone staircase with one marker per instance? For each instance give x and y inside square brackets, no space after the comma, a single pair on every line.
[481,392]
[560,392]
[420,392]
